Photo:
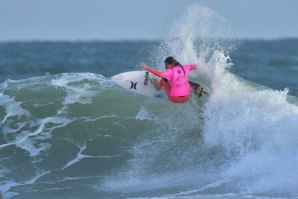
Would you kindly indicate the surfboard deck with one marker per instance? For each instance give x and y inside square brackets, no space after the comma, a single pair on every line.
[141,82]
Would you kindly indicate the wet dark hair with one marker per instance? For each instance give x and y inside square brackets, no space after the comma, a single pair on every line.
[172,60]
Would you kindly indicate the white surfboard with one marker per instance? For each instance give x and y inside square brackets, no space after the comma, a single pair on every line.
[140,82]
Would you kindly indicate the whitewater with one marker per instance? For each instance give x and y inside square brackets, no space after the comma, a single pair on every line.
[79,135]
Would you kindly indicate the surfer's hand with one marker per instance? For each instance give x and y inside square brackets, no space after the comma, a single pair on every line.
[144,65]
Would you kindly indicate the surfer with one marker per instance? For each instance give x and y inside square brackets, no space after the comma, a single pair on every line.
[175,80]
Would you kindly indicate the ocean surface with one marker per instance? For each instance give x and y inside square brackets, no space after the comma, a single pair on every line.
[68,132]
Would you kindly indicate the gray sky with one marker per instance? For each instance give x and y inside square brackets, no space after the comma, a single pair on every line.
[138,19]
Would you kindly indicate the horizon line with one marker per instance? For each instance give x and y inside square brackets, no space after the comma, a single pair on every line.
[137,40]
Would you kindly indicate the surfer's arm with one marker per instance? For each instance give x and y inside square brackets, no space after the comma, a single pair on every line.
[190,67]
[155,72]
